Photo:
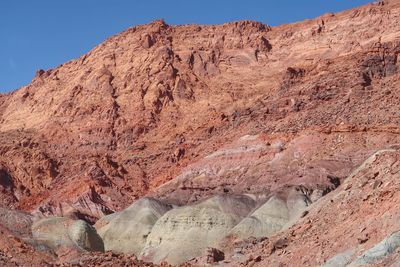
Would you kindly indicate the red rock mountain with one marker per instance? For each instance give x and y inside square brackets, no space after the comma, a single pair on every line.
[182,113]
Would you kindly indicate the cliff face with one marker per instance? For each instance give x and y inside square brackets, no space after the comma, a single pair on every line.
[182,113]
[97,132]
[124,118]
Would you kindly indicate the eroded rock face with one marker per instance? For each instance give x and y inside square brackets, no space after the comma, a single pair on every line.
[262,164]
[127,231]
[185,232]
[60,232]
[367,222]
[92,135]
[87,206]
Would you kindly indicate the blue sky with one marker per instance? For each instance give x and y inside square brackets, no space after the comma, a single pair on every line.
[42,34]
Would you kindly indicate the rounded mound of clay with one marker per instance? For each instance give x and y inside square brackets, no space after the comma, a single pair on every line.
[61,232]
[184,233]
[127,230]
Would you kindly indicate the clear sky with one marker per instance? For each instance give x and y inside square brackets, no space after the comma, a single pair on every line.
[42,34]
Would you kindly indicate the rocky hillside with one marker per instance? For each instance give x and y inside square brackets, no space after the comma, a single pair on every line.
[242,141]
